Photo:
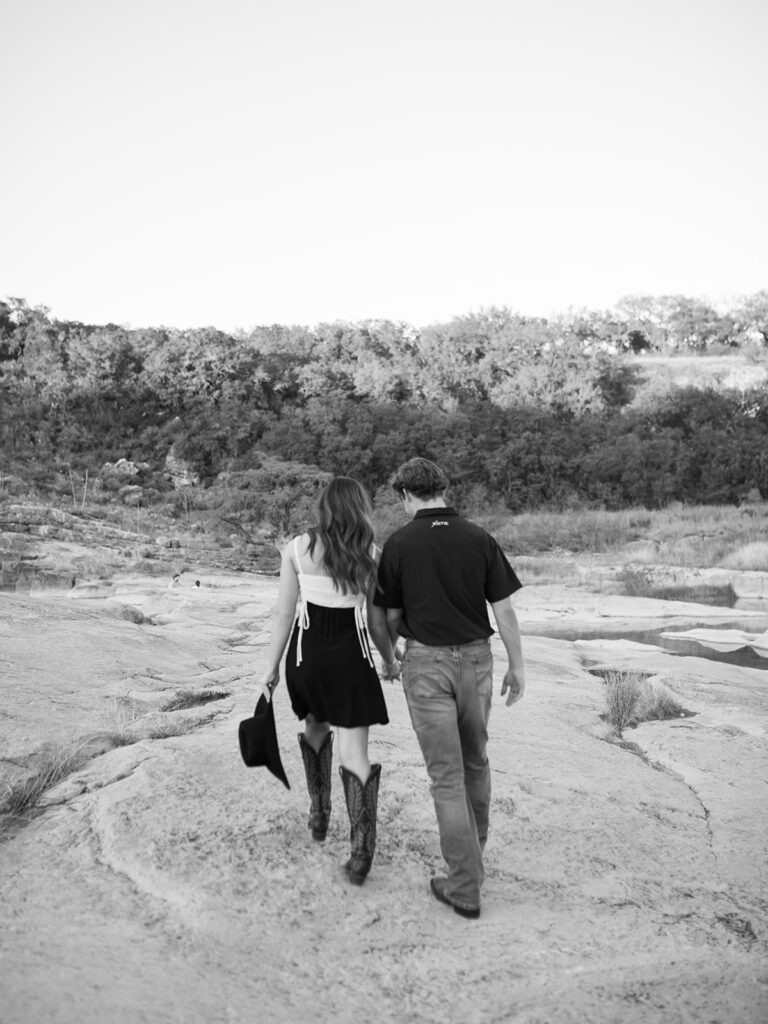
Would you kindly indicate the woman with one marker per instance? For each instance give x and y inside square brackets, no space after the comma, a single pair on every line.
[329,574]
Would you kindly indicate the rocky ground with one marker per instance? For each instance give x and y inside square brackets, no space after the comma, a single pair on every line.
[163,881]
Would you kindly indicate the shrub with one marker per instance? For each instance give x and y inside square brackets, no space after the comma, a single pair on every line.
[635,582]
[660,706]
[623,691]
[278,496]
[631,699]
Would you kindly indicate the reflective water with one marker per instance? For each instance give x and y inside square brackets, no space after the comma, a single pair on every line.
[745,656]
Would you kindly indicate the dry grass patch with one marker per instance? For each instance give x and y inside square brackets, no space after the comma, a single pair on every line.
[749,557]
[547,569]
[631,699]
[167,729]
[685,535]
[592,530]
[640,583]
[130,725]
[131,614]
[56,763]
[192,698]
[622,696]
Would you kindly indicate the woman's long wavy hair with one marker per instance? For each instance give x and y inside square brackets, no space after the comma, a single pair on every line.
[345,530]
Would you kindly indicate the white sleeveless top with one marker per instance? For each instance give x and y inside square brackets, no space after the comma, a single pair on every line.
[316,589]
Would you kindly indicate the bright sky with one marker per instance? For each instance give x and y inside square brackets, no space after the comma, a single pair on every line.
[243,162]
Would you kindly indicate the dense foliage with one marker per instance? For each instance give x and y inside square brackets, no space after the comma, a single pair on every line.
[522,412]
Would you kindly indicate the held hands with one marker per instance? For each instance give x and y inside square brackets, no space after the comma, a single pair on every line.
[390,670]
[513,685]
[393,669]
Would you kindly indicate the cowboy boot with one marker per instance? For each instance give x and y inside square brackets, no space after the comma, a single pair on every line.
[318,770]
[362,802]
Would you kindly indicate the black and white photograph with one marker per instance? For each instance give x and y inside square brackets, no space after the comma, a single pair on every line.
[384,512]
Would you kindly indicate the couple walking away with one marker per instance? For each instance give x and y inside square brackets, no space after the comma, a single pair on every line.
[430,585]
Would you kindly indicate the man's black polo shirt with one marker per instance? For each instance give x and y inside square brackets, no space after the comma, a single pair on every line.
[441,570]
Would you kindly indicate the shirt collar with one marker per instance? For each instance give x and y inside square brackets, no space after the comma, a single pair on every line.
[442,511]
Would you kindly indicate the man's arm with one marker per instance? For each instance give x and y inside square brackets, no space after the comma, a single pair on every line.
[394,615]
[509,631]
[393,621]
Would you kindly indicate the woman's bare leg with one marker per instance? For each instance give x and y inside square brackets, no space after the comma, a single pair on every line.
[315,732]
[353,751]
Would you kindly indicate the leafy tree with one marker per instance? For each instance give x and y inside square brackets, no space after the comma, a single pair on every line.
[674,323]
[750,317]
[273,495]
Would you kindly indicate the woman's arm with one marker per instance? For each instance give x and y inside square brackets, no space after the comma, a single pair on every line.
[283,615]
[377,627]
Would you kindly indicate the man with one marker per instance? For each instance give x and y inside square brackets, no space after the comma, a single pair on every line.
[437,575]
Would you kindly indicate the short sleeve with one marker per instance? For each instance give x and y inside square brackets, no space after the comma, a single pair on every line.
[501,580]
[389,593]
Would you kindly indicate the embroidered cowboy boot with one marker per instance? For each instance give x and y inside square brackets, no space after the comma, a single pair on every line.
[362,804]
[318,770]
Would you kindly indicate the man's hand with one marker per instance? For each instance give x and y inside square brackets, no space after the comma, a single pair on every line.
[391,671]
[513,685]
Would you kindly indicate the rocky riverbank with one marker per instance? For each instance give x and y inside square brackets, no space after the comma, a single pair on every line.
[163,881]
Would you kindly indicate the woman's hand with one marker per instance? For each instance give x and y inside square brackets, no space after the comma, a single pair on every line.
[390,670]
[393,669]
[266,685]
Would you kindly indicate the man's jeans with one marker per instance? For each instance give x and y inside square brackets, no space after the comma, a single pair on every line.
[449,693]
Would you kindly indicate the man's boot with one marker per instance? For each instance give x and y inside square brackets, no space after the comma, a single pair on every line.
[362,802]
[318,769]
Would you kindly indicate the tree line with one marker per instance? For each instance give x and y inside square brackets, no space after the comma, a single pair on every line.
[523,412]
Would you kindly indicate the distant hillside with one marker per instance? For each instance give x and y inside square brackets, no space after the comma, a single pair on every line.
[668,403]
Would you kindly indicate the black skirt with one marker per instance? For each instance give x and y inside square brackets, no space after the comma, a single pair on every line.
[335,682]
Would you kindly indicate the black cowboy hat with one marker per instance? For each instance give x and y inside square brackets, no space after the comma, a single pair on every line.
[258,740]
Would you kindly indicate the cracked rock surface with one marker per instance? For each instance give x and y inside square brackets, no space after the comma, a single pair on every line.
[162,881]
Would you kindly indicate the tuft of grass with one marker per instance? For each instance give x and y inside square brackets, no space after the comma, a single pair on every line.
[168,729]
[57,761]
[623,691]
[131,614]
[192,698]
[662,706]
[635,582]
[631,699]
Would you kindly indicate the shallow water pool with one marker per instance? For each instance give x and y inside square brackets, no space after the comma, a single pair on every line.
[745,657]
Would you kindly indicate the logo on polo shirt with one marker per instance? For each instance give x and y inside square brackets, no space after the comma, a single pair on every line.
[439,522]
